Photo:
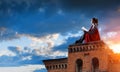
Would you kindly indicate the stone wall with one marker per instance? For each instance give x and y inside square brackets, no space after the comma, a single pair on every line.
[86,52]
[56,65]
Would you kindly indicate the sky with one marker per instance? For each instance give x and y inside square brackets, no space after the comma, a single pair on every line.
[36,30]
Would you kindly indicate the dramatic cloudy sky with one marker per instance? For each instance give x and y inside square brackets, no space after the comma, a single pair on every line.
[34,30]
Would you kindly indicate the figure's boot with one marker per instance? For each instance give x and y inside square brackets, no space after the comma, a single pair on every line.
[79,41]
[76,41]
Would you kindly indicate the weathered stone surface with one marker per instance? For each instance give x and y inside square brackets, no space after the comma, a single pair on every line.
[87,57]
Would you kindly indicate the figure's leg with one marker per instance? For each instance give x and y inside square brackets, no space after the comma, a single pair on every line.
[81,39]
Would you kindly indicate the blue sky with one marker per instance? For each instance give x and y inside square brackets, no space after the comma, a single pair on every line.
[34,30]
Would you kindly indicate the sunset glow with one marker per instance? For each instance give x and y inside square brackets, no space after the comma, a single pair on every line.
[35,30]
[115,48]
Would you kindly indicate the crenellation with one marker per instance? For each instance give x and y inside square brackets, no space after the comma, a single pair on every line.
[83,48]
[62,66]
[92,57]
[70,50]
[87,47]
[56,66]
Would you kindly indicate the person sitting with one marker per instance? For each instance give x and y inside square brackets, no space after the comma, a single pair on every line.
[92,34]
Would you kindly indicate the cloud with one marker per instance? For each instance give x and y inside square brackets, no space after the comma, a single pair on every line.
[27,58]
[59,54]
[8,34]
[16,50]
[45,45]
[32,25]
[112,24]
[27,68]
[110,31]
[43,70]
[39,48]
[33,30]
[7,53]
[40,17]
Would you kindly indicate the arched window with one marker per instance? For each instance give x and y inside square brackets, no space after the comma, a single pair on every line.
[95,64]
[79,64]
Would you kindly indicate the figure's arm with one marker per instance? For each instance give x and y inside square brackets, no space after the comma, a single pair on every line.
[92,31]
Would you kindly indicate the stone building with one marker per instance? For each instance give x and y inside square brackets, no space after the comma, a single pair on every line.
[87,57]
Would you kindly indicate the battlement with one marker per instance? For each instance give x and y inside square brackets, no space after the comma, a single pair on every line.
[56,64]
[90,46]
[86,57]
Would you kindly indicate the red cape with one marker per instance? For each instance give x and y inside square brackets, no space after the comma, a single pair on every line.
[92,35]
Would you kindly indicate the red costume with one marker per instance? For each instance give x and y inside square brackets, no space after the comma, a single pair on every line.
[92,34]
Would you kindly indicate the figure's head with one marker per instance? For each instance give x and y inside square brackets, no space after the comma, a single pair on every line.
[94,21]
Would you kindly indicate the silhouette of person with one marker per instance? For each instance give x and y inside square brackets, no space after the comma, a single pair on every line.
[92,34]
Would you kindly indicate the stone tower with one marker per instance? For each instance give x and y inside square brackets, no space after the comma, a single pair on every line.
[87,57]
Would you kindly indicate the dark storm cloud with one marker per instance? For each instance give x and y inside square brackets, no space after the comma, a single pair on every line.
[21,6]
[97,4]
[38,17]
[33,5]
[90,7]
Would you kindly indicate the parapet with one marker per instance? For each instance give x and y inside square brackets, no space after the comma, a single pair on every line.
[53,64]
[90,46]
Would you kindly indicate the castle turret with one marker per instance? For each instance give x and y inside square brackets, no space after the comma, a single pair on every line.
[88,57]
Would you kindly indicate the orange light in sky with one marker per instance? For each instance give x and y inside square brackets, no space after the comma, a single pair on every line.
[115,48]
